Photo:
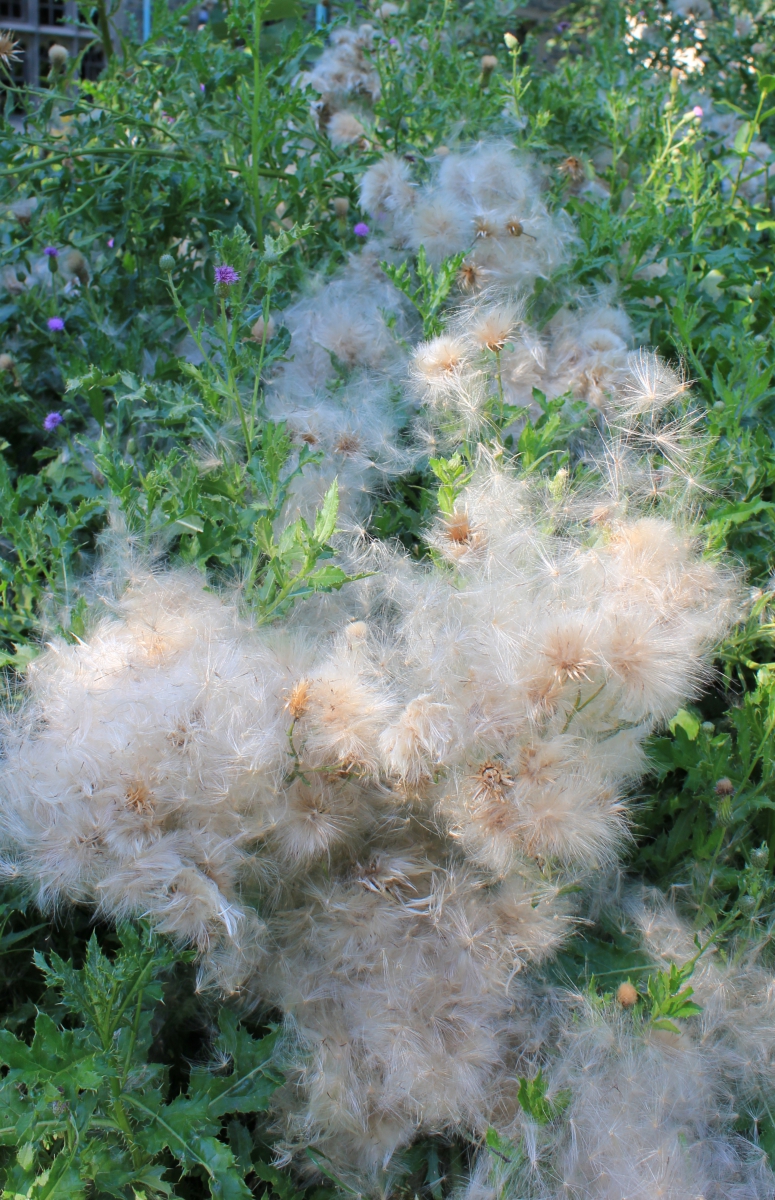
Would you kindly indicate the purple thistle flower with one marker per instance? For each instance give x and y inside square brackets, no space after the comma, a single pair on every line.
[110,243]
[55,324]
[393,41]
[51,251]
[361,230]
[561,26]
[225,276]
[201,87]
[697,111]
[52,420]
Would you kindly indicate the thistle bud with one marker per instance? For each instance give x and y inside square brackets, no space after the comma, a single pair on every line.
[724,812]
[58,56]
[489,63]
[6,362]
[627,995]
[341,206]
[511,41]
[761,855]
[747,904]
[167,262]
[724,787]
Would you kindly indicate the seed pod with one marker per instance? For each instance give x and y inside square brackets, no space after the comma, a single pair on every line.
[627,995]
[489,63]
[58,56]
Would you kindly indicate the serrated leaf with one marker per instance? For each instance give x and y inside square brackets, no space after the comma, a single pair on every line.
[326,578]
[55,1054]
[281,1183]
[325,518]
[253,1078]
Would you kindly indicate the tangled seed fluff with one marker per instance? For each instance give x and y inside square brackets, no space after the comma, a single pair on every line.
[374,816]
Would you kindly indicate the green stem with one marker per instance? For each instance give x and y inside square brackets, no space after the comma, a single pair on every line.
[579,707]
[711,869]
[104,27]
[59,1167]
[140,981]
[753,127]
[231,380]
[255,135]
[123,1124]
[132,1039]
[285,592]
[501,400]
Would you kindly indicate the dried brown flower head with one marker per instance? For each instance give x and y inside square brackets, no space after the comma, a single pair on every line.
[8,48]
[492,780]
[139,796]
[470,277]
[347,443]
[572,168]
[298,700]
[484,227]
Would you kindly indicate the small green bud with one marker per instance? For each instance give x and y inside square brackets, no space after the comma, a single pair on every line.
[724,812]
[167,262]
[761,855]
[747,904]
[511,41]
[707,727]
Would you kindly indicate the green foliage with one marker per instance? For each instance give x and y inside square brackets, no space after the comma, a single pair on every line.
[45,525]
[453,475]
[425,288]
[86,1112]
[713,809]
[535,1102]
[669,1000]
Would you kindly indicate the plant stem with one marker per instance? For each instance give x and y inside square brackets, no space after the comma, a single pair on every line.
[102,21]
[231,380]
[501,400]
[753,127]
[255,143]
